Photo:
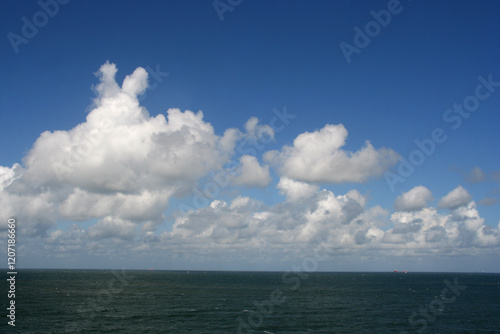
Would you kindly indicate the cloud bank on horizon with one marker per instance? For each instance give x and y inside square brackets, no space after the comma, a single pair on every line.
[103,187]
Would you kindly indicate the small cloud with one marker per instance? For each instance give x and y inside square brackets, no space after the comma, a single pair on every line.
[413,200]
[252,173]
[256,131]
[488,201]
[294,190]
[455,198]
[476,175]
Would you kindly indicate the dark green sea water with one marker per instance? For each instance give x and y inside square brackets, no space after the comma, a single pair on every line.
[103,301]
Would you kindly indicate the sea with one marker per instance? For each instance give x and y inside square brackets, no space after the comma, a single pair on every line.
[155,301]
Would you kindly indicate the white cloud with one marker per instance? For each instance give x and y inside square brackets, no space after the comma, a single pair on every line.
[146,205]
[463,229]
[252,174]
[121,162]
[228,141]
[8,175]
[110,227]
[256,131]
[295,190]
[122,167]
[455,198]
[249,224]
[415,199]
[318,157]
[244,230]
[343,221]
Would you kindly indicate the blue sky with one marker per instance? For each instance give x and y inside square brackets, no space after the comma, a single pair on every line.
[237,66]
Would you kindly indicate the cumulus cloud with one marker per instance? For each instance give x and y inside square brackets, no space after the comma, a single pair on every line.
[244,230]
[415,199]
[120,169]
[455,198]
[8,175]
[462,229]
[121,162]
[318,157]
[257,131]
[295,190]
[110,227]
[249,223]
[252,174]
[342,221]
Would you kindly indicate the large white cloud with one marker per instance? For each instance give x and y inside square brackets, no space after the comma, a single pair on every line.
[415,199]
[318,157]
[121,162]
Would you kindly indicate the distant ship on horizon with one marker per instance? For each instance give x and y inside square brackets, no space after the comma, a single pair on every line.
[403,272]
